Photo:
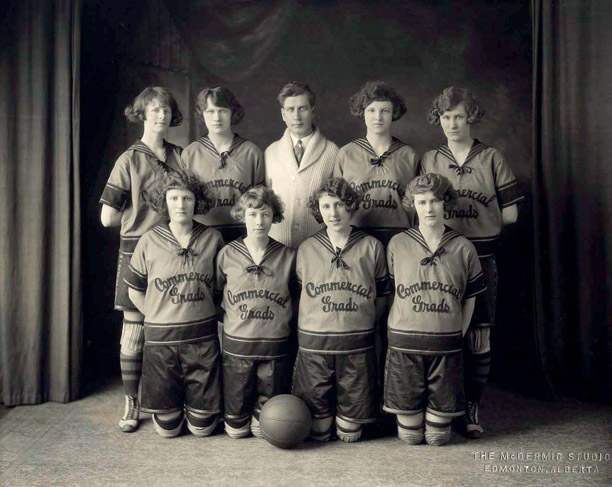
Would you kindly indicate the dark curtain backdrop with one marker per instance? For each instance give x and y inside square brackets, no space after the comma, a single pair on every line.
[418,46]
[573,193]
[40,288]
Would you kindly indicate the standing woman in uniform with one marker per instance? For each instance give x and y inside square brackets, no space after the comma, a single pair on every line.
[488,196]
[379,164]
[229,163]
[137,170]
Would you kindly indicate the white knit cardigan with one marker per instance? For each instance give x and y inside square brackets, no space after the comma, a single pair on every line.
[294,185]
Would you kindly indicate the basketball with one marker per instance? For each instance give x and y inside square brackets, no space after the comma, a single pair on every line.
[285,421]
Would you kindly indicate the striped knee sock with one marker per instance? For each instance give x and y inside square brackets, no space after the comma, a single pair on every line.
[131,367]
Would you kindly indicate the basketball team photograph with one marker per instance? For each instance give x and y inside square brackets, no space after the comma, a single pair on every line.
[294,243]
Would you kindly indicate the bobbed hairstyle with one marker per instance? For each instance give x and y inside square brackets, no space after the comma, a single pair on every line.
[180,179]
[338,187]
[449,99]
[439,185]
[136,111]
[257,198]
[221,97]
[376,91]
[295,88]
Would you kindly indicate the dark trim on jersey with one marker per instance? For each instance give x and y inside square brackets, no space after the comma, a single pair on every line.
[256,348]
[377,160]
[336,342]
[127,245]
[474,286]
[448,235]
[337,260]
[509,194]
[384,286]
[477,148]
[425,342]
[136,280]
[114,196]
[237,141]
[485,246]
[178,333]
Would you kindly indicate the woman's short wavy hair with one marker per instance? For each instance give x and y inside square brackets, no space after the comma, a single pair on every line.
[439,185]
[257,198]
[136,111]
[376,91]
[340,188]
[449,99]
[221,97]
[179,179]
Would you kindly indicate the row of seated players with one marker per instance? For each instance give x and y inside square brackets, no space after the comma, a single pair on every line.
[342,278]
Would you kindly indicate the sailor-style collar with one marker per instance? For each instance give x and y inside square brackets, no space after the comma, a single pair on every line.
[448,235]
[140,146]
[253,268]
[237,141]
[477,148]
[377,161]
[188,253]
[337,260]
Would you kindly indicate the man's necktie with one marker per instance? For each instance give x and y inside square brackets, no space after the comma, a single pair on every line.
[299,151]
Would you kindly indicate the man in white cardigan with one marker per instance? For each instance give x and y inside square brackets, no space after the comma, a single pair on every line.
[297,164]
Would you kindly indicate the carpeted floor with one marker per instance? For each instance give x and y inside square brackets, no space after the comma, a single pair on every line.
[79,444]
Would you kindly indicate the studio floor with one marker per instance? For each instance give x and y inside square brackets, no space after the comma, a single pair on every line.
[526,442]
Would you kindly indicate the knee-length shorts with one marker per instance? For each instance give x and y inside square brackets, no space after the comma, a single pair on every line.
[185,375]
[249,383]
[417,382]
[345,385]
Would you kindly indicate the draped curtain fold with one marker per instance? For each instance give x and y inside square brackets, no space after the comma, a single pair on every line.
[40,248]
[573,193]
[232,38]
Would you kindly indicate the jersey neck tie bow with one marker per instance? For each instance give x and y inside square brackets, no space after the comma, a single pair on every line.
[431,260]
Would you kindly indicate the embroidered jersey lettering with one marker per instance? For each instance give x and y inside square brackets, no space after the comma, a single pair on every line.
[485,184]
[338,292]
[382,180]
[228,174]
[136,171]
[256,299]
[426,316]
[178,284]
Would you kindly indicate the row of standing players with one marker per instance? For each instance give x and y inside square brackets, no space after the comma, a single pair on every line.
[379,167]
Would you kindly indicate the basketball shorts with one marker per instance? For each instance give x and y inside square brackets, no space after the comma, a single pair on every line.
[418,382]
[484,309]
[185,375]
[345,385]
[122,298]
[249,383]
